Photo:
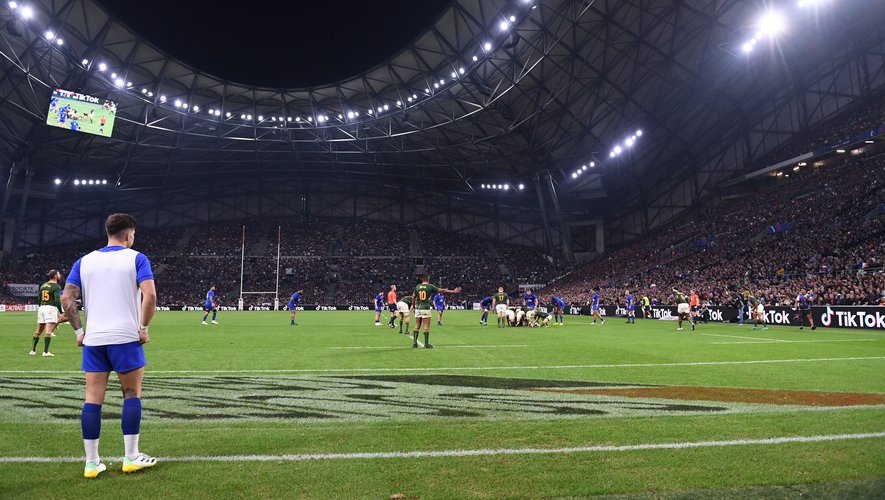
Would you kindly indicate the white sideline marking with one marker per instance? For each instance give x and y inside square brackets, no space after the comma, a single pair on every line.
[745,338]
[476,453]
[478,368]
[772,341]
[444,347]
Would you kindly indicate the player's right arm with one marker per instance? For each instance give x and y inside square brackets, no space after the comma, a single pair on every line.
[69,303]
[148,307]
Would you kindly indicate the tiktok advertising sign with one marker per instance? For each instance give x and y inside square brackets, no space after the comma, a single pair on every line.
[867,317]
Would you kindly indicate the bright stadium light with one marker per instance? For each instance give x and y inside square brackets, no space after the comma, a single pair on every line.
[356,113]
[612,154]
[27,12]
[435,85]
[442,82]
[487,46]
[386,107]
[512,19]
[119,82]
[574,175]
[13,5]
[584,168]
[504,25]
[289,119]
[399,103]
[102,66]
[380,109]
[260,117]
[747,47]
[409,99]
[454,74]
[113,75]
[475,59]
[50,35]
[128,84]
[297,118]
[227,115]
[639,133]
[310,119]
[104,181]
[249,117]
[771,24]
[629,142]
[84,62]
[618,150]
[91,182]
[184,105]
[57,181]
[369,111]
[162,98]
[59,41]
[197,109]
[350,115]
[482,186]
[76,182]
[506,187]
[521,187]
[273,118]
[242,117]
[144,91]
[461,70]
[150,94]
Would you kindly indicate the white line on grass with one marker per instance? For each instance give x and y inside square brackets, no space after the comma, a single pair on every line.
[479,452]
[745,338]
[477,346]
[772,341]
[478,368]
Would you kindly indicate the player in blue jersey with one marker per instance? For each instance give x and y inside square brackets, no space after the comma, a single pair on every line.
[485,304]
[594,307]
[531,300]
[75,125]
[63,113]
[631,307]
[379,306]
[293,305]
[53,105]
[439,303]
[558,310]
[211,305]
[803,303]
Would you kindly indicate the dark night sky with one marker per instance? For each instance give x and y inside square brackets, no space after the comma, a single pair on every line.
[279,43]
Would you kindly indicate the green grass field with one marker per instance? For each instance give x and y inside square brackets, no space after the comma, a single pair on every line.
[92,126]
[338,408]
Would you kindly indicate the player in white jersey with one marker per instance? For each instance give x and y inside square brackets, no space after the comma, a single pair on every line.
[117,286]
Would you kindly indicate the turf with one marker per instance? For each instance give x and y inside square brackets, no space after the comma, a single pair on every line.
[253,385]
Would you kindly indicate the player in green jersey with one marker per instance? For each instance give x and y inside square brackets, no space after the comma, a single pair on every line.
[403,310]
[422,300]
[682,308]
[501,301]
[48,313]
[757,312]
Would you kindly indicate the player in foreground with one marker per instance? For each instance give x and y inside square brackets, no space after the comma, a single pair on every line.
[403,308]
[594,307]
[537,319]
[293,306]
[379,306]
[48,313]
[501,301]
[682,308]
[630,306]
[530,299]
[803,302]
[210,305]
[391,305]
[439,303]
[558,310]
[421,299]
[485,304]
[117,286]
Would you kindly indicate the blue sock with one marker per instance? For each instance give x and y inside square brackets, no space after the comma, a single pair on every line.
[90,420]
[205,316]
[292,322]
[213,315]
[131,421]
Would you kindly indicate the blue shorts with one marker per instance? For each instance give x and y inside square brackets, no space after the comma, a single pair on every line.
[531,306]
[378,309]
[485,308]
[596,308]
[291,306]
[120,358]
[440,307]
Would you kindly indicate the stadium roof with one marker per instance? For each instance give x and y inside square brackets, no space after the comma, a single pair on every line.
[492,92]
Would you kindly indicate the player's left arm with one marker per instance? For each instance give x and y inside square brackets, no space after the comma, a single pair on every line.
[449,292]
[148,307]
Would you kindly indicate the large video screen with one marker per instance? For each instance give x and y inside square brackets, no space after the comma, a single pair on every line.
[81,112]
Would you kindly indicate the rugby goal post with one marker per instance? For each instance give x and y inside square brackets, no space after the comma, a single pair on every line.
[276,291]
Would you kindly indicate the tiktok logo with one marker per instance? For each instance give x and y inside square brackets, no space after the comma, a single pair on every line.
[827,318]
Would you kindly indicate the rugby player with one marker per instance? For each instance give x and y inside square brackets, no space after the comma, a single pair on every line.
[439,303]
[210,305]
[803,302]
[501,301]
[630,306]
[293,306]
[594,307]
[682,307]
[402,308]
[757,312]
[530,299]
[421,298]
[117,286]
[558,310]
[379,306]
[48,313]
[485,304]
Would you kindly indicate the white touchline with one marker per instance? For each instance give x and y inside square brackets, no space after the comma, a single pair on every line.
[478,346]
[479,452]
[796,341]
[477,368]
[746,338]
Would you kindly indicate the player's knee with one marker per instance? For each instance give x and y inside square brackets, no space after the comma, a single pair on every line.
[131,392]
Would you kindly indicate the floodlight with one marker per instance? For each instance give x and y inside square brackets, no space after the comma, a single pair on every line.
[13,5]
[380,109]
[442,82]
[50,35]
[91,182]
[57,181]
[399,103]
[584,167]
[369,111]
[427,91]
[618,150]
[59,41]
[512,19]
[629,142]
[273,118]
[639,133]
[454,74]
[747,47]
[574,175]
[280,118]
[76,182]
[475,58]
[487,46]
[27,12]
[612,154]
[350,115]
[150,94]
[771,23]
[162,98]
[506,187]
[144,91]
[483,186]
[197,108]
[102,66]
[113,75]
[260,117]
[249,117]
[242,117]
[521,187]
[504,25]
[356,113]
[415,96]
[310,118]
[119,82]
[184,105]
[85,62]
[287,119]
[409,99]
[435,85]
[104,181]
[128,84]
[386,107]
[461,70]
[297,118]
[178,103]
